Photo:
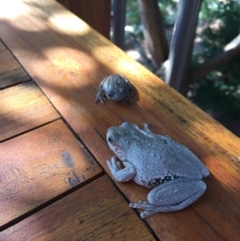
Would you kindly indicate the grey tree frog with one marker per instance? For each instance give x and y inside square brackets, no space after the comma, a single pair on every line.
[115,88]
[157,162]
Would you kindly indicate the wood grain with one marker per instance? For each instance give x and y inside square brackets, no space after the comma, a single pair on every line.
[38,166]
[22,108]
[2,46]
[95,212]
[11,72]
[71,61]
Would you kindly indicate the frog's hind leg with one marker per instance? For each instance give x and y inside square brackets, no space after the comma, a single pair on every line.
[171,196]
[150,209]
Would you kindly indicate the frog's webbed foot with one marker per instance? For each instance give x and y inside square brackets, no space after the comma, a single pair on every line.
[100,97]
[144,205]
[141,204]
[114,165]
[121,174]
[146,214]
[148,208]
[147,129]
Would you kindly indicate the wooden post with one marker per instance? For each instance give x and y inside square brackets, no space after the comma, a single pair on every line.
[97,13]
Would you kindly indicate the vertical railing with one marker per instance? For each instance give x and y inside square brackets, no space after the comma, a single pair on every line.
[119,17]
[182,43]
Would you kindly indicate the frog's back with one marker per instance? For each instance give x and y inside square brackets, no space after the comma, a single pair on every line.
[159,158]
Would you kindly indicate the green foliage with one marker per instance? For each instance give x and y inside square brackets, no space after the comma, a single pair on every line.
[168,10]
[133,17]
[219,92]
[217,98]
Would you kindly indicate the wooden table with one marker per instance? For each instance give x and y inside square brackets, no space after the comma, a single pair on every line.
[54,182]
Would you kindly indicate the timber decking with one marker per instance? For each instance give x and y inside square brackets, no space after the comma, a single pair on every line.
[67,60]
[11,72]
[51,188]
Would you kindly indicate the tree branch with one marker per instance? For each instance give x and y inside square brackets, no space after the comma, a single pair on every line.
[153,30]
[230,51]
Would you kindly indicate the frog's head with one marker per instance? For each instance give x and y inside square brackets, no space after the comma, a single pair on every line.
[116,95]
[118,139]
[115,87]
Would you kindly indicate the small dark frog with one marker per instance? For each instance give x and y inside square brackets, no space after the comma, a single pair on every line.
[116,88]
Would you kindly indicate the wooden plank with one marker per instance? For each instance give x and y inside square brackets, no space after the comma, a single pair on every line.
[11,72]
[95,212]
[38,166]
[23,107]
[97,13]
[71,83]
[2,46]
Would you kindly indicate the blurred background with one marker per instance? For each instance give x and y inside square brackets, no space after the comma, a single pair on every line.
[217,92]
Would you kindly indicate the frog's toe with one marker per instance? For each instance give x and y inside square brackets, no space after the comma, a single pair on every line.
[147,130]
[146,214]
[112,164]
[143,214]
[109,164]
[146,125]
[141,204]
[119,165]
[132,205]
[96,100]
[100,98]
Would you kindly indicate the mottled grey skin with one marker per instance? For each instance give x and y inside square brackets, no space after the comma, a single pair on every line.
[157,162]
[115,88]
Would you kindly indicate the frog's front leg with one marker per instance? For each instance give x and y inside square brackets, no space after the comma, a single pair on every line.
[121,174]
[100,96]
[171,196]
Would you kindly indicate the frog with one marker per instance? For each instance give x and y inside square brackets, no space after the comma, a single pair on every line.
[115,88]
[171,170]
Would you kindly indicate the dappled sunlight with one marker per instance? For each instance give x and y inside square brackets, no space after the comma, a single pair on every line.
[12,9]
[69,23]
[63,62]
[38,166]
[67,60]
[75,61]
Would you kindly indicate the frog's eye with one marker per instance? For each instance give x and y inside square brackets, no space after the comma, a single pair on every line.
[110,140]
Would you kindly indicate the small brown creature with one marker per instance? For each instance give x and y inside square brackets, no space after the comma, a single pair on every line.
[115,88]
